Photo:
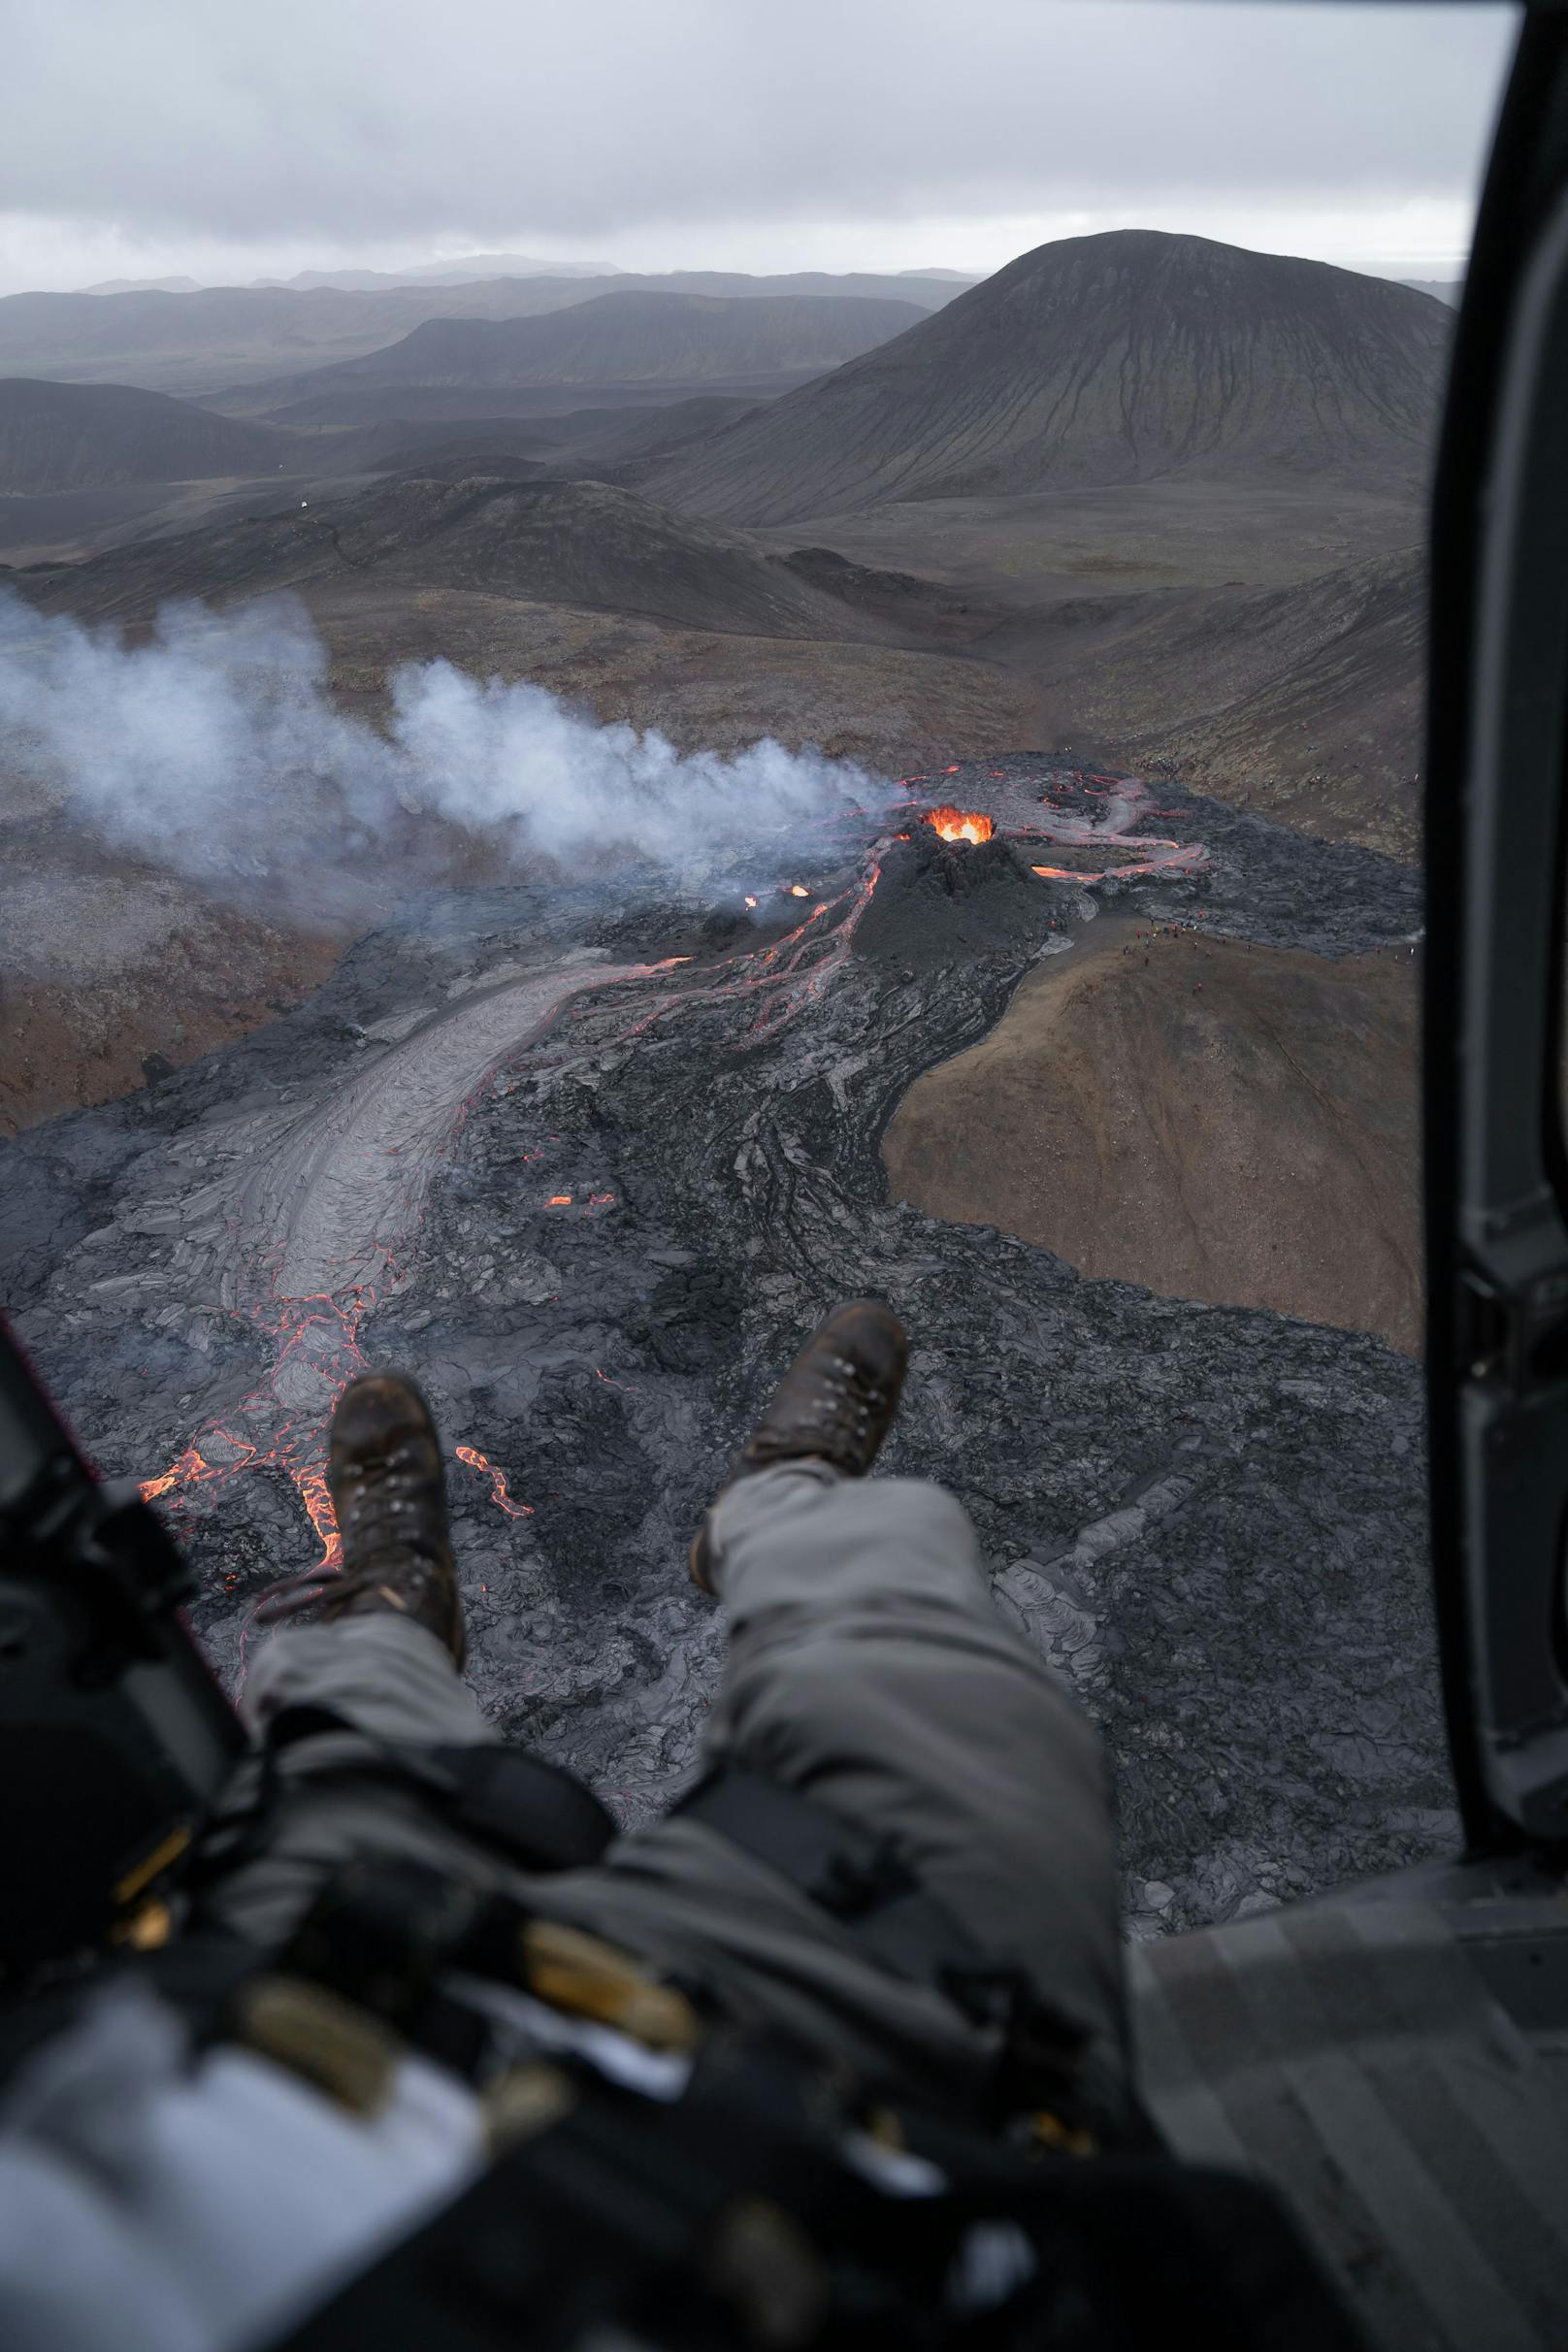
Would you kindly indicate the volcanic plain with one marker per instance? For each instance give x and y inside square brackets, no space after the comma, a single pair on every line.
[595,1199]
[1119,555]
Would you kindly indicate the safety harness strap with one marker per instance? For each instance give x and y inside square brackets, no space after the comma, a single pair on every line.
[535,1815]
[860,1879]
[1042,2061]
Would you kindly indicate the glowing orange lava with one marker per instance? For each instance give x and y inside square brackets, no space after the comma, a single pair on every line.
[497,1482]
[311,1488]
[317,1347]
[191,1466]
[315,1338]
[960,824]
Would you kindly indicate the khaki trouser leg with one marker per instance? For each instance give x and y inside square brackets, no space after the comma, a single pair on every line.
[869,1669]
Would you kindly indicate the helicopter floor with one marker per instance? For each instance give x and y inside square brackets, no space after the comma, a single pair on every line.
[1394,2059]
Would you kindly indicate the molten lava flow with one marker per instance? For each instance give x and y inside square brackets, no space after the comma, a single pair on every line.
[311,1488]
[324,1213]
[191,1466]
[497,1482]
[317,1354]
[798,890]
[960,824]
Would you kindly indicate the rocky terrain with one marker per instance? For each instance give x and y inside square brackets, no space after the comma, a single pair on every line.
[595,1197]
[573,542]
[1306,701]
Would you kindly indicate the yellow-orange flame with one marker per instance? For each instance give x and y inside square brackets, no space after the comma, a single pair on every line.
[960,824]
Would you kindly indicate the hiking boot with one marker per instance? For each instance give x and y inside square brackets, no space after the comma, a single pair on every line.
[389,1489]
[834,1404]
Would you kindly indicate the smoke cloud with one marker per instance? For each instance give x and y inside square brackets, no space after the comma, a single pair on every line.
[214,751]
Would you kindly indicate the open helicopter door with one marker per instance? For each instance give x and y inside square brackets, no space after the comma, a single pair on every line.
[1393,2056]
[1497,851]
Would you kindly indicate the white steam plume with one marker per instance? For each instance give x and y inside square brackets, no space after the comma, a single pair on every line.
[214,751]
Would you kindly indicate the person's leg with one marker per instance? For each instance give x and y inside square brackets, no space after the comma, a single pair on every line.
[389,1681]
[870,1670]
[386,1675]
[867,1669]
[382,1664]
[869,1665]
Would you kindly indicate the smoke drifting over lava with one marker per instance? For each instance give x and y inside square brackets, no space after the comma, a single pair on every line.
[215,749]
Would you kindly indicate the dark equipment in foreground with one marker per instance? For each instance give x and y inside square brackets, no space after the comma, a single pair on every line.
[752,2195]
[116,1738]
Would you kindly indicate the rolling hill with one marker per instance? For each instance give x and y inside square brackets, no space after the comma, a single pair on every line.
[1101,360]
[230,336]
[1304,703]
[580,543]
[647,341]
[76,437]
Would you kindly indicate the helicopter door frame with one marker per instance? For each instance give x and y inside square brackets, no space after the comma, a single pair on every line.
[1496,844]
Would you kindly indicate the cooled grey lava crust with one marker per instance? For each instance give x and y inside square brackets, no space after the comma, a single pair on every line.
[1210,1518]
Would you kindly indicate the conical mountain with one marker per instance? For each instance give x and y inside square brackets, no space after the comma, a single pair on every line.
[1101,360]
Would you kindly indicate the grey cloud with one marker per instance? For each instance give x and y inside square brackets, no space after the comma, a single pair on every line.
[483,118]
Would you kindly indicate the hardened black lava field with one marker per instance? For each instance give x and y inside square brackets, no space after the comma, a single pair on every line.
[591,1166]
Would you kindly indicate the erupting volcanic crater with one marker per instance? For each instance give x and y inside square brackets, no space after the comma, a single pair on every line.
[590,1161]
[960,824]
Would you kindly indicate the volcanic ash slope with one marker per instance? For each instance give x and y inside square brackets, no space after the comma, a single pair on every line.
[1099,360]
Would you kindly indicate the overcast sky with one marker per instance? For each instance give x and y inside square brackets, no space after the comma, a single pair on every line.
[140,138]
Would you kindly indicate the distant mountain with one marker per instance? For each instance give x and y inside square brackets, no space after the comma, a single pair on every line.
[652,340]
[473,268]
[215,337]
[576,543]
[1442,289]
[504,265]
[1101,360]
[145,286]
[960,278]
[78,437]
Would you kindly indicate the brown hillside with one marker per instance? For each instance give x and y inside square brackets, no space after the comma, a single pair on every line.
[1211,1119]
